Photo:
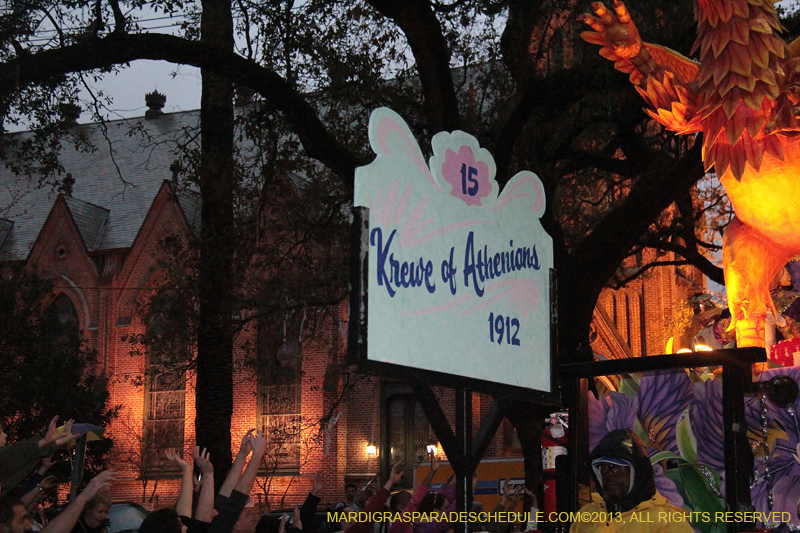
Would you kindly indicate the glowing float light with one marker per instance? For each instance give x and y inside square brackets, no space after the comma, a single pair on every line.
[697,348]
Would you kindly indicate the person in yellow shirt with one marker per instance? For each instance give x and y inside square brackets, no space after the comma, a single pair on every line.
[627,499]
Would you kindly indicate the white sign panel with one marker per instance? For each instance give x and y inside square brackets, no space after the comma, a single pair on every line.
[459,277]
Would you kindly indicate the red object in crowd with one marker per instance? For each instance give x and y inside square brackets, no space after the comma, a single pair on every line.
[554,443]
[785,352]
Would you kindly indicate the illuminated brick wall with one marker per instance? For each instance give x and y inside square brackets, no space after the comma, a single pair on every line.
[635,320]
[106,294]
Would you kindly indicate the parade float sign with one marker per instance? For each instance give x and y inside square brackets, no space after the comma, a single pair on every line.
[458,275]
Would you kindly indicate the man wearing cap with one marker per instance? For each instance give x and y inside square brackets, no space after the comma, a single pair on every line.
[627,499]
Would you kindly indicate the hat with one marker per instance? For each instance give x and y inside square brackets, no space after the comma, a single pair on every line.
[613,461]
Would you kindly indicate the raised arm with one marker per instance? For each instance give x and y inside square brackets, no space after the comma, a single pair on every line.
[258,443]
[395,476]
[501,505]
[434,468]
[57,438]
[35,495]
[66,520]
[18,460]
[236,469]
[297,522]
[205,502]
[312,500]
[515,498]
[231,507]
[184,504]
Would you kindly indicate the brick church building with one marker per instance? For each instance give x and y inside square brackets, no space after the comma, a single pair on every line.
[97,239]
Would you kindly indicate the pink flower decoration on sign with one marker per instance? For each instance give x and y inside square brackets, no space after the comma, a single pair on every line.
[469,178]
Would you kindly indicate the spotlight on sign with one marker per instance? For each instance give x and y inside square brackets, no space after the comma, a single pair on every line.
[372,450]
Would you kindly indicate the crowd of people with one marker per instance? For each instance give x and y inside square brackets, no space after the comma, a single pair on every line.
[621,472]
[88,511]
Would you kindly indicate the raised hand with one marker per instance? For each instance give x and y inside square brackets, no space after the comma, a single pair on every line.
[395,476]
[202,460]
[259,442]
[532,497]
[506,491]
[48,483]
[316,489]
[435,462]
[282,526]
[296,520]
[615,28]
[50,436]
[173,456]
[57,438]
[67,435]
[246,445]
[47,464]
[99,483]
[515,498]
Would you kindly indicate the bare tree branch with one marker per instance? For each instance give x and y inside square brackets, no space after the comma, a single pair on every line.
[425,36]
[121,48]
[651,194]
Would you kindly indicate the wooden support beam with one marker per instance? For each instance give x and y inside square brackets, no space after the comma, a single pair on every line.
[436,417]
[488,429]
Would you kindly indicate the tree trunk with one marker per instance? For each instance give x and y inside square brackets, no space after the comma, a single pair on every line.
[214,400]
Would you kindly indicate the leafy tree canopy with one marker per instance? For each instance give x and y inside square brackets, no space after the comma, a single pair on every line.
[46,367]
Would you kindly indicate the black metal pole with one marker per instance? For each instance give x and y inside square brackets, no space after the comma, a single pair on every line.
[735,378]
[78,464]
[464,436]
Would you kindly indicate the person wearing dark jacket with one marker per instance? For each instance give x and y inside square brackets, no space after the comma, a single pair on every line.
[627,499]
[18,460]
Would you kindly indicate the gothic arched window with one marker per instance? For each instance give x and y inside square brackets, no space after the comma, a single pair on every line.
[164,404]
[279,394]
[64,321]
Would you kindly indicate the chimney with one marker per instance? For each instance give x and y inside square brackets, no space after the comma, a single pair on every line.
[66,185]
[69,114]
[155,103]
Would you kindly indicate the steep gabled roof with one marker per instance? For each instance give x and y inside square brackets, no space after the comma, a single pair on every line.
[114,187]
[90,219]
[190,204]
[5,230]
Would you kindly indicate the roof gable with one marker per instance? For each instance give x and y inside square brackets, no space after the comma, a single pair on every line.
[89,219]
[59,235]
[609,339]
[114,186]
